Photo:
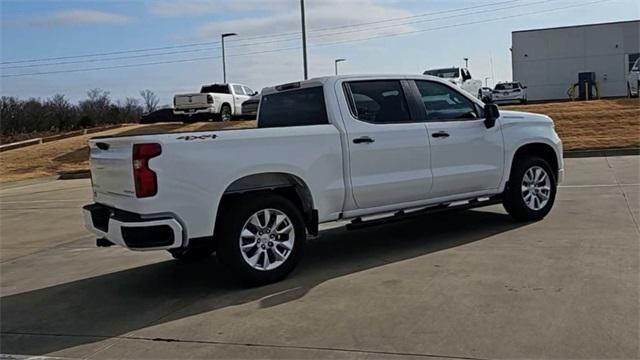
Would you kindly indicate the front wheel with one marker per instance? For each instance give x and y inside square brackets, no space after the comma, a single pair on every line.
[531,190]
[261,238]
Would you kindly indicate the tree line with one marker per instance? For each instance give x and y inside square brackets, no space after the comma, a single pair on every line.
[57,114]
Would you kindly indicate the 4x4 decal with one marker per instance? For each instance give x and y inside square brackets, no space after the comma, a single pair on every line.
[197,137]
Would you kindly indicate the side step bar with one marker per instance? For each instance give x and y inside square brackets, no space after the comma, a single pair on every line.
[358,223]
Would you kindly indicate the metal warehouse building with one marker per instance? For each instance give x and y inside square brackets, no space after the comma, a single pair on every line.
[548,61]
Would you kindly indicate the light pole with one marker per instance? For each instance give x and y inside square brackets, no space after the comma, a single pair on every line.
[335,63]
[224,66]
[486,81]
[466,63]
[304,40]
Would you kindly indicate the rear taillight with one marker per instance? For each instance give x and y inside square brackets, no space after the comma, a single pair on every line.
[145,178]
[209,99]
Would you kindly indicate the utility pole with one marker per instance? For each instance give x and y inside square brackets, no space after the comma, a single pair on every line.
[335,63]
[224,66]
[466,63]
[304,40]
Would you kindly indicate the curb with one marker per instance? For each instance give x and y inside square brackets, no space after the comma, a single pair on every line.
[601,153]
[36,141]
[72,175]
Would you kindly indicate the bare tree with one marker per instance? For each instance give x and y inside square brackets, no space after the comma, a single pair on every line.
[95,109]
[150,100]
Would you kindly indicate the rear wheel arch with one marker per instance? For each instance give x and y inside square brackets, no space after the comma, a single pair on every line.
[287,185]
[226,104]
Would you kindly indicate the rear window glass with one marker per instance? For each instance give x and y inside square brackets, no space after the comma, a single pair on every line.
[444,73]
[220,89]
[507,86]
[293,108]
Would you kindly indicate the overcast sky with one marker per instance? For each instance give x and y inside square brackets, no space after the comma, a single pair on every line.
[399,37]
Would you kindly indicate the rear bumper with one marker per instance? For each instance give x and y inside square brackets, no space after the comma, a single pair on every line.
[132,230]
[497,98]
[194,111]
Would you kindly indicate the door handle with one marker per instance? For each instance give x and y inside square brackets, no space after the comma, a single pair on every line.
[440,134]
[363,140]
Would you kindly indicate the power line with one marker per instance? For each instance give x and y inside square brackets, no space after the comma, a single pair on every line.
[316,45]
[385,20]
[435,19]
[250,37]
[275,41]
[147,63]
[461,24]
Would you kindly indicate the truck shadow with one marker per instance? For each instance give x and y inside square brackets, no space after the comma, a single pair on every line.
[95,309]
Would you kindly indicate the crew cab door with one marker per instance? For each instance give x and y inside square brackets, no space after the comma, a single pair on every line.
[388,147]
[466,157]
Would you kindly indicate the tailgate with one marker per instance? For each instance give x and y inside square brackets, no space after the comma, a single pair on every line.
[188,101]
[112,167]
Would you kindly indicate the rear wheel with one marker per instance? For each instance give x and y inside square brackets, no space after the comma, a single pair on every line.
[261,238]
[225,113]
[531,190]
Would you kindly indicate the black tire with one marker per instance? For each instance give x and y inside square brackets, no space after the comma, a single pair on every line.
[225,113]
[514,201]
[191,254]
[230,225]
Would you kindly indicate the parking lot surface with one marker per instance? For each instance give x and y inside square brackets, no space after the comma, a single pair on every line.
[468,285]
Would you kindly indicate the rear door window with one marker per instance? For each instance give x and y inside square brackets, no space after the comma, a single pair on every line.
[378,101]
[293,108]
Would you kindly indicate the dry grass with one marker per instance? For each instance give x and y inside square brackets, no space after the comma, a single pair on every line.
[581,125]
[72,154]
[599,124]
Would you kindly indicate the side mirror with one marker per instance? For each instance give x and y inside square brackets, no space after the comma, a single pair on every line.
[491,113]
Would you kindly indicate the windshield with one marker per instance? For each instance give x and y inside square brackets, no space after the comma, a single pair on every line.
[444,73]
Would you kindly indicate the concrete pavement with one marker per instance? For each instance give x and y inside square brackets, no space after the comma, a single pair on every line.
[469,285]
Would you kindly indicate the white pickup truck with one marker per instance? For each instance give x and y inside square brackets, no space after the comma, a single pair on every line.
[460,77]
[215,101]
[326,149]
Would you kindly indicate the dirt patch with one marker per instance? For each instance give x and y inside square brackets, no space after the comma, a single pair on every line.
[590,125]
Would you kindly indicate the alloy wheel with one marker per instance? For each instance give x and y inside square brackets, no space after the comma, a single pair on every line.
[536,188]
[267,239]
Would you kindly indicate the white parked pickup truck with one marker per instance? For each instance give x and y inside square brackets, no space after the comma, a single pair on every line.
[326,149]
[460,77]
[216,101]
